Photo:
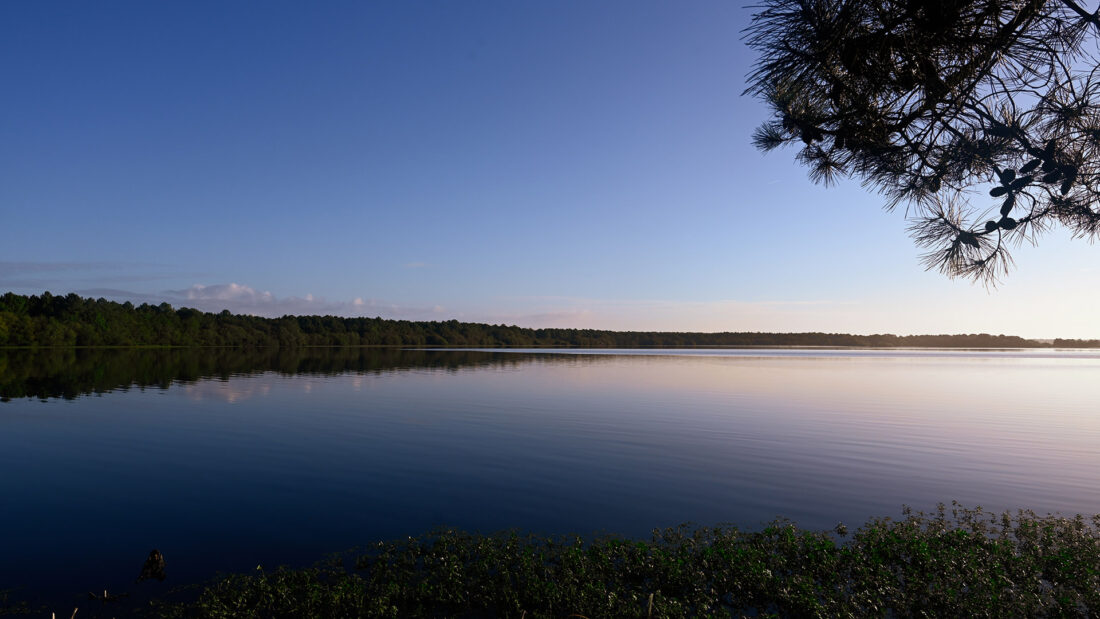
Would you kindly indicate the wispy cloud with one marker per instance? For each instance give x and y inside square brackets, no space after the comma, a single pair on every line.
[10,268]
[665,315]
[66,276]
[243,299]
[233,292]
[656,303]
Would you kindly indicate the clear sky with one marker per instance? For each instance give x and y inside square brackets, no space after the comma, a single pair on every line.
[572,164]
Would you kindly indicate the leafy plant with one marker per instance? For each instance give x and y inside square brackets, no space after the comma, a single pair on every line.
[952,562]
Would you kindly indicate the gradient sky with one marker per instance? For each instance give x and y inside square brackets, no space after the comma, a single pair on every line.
[573,164]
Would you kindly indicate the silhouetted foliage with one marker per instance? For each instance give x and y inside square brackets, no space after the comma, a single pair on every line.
[957,563]
[953,562]
[72,321]
[982,117]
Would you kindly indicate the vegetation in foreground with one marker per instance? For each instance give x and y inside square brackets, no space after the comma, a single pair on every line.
[953,562]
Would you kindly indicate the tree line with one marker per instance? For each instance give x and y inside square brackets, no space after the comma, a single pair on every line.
[48,320]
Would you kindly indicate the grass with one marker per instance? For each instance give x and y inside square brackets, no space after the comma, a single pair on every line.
[952,562]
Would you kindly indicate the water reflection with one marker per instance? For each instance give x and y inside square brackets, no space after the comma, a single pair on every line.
[70,373]
[282,456]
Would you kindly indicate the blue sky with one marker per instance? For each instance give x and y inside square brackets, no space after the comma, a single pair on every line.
[569,164]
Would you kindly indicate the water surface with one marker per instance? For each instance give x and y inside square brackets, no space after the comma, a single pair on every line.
[224,460]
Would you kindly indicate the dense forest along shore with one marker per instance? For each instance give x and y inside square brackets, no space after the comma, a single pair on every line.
[48,320]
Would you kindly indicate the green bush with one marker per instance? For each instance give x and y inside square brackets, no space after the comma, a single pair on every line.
[953,562]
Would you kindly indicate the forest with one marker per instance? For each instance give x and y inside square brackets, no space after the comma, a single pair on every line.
[47,320]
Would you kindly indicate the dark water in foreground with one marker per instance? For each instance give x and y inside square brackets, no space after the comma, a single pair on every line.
[225,460]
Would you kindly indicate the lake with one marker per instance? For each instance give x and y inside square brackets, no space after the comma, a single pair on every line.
[226,459]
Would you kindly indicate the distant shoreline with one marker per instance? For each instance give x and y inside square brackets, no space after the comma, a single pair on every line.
[72,321]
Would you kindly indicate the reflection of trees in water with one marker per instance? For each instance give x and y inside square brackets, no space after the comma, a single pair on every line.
[70,373]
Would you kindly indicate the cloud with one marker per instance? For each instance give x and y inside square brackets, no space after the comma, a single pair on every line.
[9,268]
[61,277]
[664,315]
[243,299]
[235,293]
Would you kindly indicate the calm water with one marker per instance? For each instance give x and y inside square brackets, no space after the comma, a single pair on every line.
[224,460]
